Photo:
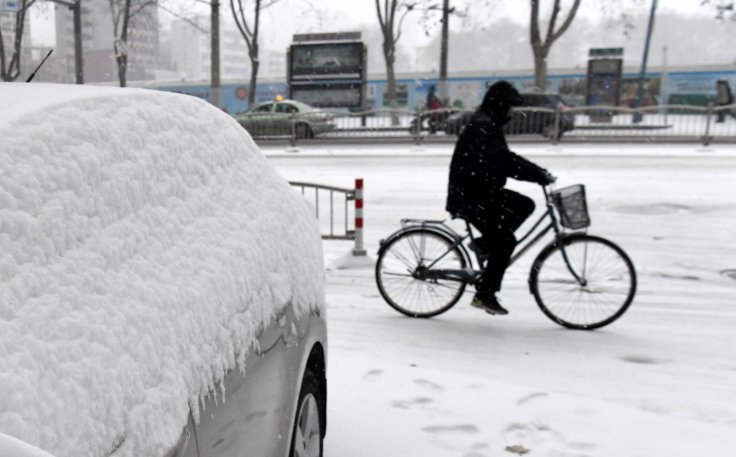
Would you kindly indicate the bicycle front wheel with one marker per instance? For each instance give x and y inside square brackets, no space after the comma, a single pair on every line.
[604,292]
[407,273]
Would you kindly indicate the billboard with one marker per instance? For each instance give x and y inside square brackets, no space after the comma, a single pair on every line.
[327,70]
[344,60]
[328,95]
[604,79]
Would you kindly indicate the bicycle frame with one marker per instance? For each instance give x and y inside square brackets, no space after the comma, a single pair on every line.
[523,245]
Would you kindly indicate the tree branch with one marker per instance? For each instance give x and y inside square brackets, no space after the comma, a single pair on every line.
[142,6]
[551,26]
[568,21]
[240,21]
[381,21]
[183,18]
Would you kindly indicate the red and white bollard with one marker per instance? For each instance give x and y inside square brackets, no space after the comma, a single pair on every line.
[358,249]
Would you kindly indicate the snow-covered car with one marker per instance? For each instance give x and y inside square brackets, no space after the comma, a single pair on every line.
[285,118]
[161,285]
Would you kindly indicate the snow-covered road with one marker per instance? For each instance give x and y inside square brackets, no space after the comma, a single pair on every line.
[660,381]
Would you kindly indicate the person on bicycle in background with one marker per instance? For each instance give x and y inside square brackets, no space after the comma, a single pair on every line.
[480,165]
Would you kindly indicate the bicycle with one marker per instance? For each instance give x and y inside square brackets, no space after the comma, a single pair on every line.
[579,281]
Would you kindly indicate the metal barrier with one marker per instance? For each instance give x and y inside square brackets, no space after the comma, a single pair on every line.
[661,123]
[325,195]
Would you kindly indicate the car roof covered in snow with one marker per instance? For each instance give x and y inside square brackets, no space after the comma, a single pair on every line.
[144,242]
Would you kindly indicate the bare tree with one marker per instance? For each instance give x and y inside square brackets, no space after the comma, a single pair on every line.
[541,47]
[123,11]
[10,69]
[249,29]
[391,31]
[723,8]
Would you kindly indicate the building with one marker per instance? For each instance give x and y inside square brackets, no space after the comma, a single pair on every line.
[98,37]
[191,51]
[273,63]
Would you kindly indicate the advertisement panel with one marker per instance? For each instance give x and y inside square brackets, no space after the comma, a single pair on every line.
[343,60]
[604,79]
[328,95]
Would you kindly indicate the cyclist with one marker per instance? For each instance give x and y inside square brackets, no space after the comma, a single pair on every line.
[480,165]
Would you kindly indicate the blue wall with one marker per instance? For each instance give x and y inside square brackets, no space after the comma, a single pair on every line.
[694,86]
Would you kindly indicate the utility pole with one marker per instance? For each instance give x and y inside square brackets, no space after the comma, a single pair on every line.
[76,7]
[664,95]
[443,50]
[78,63]
[215,50]
[640,90]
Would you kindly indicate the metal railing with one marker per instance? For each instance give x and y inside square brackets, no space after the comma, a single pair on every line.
[320,196]
[661,123]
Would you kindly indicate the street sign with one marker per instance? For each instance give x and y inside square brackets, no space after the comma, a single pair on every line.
[9,6]
[606,52]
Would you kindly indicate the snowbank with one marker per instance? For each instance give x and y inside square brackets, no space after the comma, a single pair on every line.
[144,240]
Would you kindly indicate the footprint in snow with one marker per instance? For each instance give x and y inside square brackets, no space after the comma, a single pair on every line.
[641,359]
[530,397]
[428,385]
[372,375]
[580,446]
[442,429]
[406,404]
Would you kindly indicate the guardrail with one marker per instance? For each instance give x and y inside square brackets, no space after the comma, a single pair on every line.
[662,123]
[321,195]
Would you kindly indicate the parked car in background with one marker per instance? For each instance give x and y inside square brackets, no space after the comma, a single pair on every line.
[286,118]
[535,116]
[161,285]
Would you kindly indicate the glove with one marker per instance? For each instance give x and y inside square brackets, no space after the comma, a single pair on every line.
[547,178]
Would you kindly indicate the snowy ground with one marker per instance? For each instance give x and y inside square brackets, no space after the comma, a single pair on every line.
[659,382]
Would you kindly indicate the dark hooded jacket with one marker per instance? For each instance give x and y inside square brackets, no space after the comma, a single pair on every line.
[482,160]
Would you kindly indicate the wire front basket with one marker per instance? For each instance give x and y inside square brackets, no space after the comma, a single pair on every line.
[572,207]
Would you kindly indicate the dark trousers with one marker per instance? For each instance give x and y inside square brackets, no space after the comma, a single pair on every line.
[497,219]
[721,115]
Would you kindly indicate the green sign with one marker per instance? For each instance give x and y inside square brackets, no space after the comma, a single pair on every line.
[606,52]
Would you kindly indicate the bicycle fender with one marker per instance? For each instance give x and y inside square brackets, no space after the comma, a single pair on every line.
[427,228]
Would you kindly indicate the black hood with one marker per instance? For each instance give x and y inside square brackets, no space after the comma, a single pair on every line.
[499,97]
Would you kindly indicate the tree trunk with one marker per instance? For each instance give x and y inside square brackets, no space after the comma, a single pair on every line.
[254,59]
[540,70]
[388,53]
[253,81]
[541,46]
[121,55]
[12,70]
[122,61]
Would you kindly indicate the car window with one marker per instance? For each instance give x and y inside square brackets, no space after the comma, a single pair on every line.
[266,108]
[533,100]
[286,108]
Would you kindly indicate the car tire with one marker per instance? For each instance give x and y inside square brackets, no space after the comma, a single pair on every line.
[303,132]
[308,431]
[549,131]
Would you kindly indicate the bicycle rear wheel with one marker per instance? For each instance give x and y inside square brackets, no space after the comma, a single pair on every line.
[404,280]
[608,282]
